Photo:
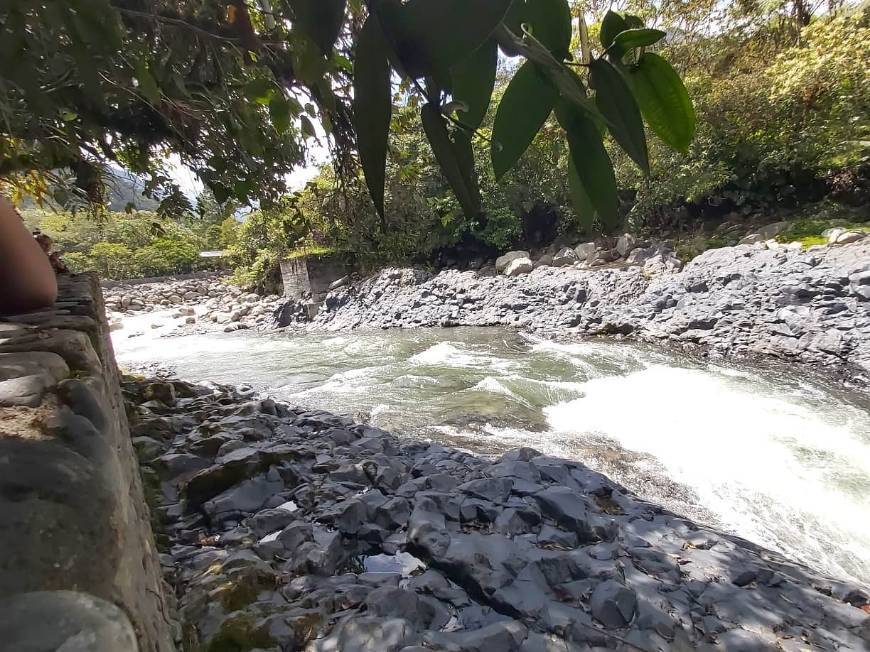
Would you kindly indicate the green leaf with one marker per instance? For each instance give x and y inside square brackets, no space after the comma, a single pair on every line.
[473,82]
[591,162]
[308,128]
[611,25]
[551,25]
[453,159]
[321,20]
[372,107]
[432,36]
[633,22]
[664,101]
[638,38]
[616,103]
[524,108]
[147,84]
[260,90]
[582,204]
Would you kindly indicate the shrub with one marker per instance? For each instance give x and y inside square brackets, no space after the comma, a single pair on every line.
[113,260]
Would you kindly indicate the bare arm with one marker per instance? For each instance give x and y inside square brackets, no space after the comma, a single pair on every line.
[27,280]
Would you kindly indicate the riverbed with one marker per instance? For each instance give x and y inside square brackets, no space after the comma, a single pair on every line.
[768,454]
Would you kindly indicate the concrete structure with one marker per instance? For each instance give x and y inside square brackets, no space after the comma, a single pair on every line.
[78,565]
[312,275]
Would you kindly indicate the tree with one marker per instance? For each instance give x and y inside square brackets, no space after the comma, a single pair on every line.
[235,88]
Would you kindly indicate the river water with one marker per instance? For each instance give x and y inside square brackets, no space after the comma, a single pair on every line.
[770,455]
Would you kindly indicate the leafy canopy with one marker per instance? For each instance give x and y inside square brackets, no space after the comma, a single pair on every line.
[238,89]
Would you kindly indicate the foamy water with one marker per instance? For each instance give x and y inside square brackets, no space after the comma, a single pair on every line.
[770,456]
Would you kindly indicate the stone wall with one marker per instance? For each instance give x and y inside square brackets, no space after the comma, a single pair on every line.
[77,547]
[312,275]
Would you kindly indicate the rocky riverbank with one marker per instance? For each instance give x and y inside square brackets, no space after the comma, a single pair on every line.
[283,529]
[810,306]
[201,304]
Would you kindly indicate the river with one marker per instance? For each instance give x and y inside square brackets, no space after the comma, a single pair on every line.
[770,455]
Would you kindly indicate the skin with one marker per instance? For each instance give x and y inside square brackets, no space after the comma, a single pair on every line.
[27,280]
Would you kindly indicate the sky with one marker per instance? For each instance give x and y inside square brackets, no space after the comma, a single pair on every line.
[191,186]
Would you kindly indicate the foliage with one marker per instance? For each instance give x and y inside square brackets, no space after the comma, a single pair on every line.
[128,245]
[234,89]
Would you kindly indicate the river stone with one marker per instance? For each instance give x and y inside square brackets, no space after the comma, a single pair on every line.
[367,634]
[850,237]
[565,258]
[567,508]
[770,231]
[519,266]
[64,621]
[584,251]
[626,244]
[502,262]
[613,604]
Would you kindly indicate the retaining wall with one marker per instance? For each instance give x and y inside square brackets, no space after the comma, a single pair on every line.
[78,564]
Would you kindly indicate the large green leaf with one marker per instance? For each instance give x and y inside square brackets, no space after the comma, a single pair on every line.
[591,162]
[582,204]
[321,20]
[614,99]
[611,25]
[453,159]
[432,36]
[473,81]
[664,101]
[525,106]
[147,84]
[638,38]
[372,107]
[551,25]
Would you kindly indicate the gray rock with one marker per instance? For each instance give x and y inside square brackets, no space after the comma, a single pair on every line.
[519,266]
[584,251]
[565,258]
[367,634]
[770,231]
[66,621]
[626,244]
[502,262]
[568,509]
[849,237]
[613,604]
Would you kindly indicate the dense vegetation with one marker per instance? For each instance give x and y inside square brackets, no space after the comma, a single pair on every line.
[239,91]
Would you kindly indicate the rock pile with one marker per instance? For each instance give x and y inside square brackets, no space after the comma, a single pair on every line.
[284,529]
[810,306]
[627,251]
[211,302]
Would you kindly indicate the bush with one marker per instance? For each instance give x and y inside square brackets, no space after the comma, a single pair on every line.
[113,260]
[166,256]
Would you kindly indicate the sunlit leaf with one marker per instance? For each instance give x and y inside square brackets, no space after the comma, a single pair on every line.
[664,101]
[147,84]
[638,38]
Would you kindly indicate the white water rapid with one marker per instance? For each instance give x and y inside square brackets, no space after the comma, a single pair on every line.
[767,454]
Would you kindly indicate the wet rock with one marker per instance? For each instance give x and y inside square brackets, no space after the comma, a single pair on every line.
[247,497]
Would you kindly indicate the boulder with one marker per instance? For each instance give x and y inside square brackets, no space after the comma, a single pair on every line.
[770,231]
[565,258]
[751,239]
[519,266]
[584,251]
[626,244]
[502,262]
[849,237]
[544,261]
